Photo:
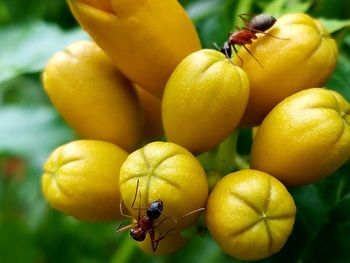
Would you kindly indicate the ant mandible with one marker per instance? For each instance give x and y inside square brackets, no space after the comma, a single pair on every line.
[146,224]
[246,34]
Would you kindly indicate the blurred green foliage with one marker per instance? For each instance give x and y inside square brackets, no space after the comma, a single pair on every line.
[30,231]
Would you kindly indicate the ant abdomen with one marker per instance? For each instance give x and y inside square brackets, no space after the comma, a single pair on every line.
[138,234]
[262,22]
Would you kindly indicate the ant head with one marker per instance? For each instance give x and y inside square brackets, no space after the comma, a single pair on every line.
[226,50]
[137,233]
[155,209]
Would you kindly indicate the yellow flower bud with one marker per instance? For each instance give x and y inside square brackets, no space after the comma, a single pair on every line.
[204,100]
[144,39]
[301,54]
[95,99]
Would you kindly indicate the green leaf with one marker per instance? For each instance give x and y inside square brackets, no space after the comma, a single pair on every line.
[64,239]
[310,207]
[280,7]
[210,251]
[27,46]
[35,9]
[341,212]
[333,25]
[297,6]
[213,20]
[331,8]
[24,90]
[332,188]
[275,7]
[333,242]
[340,79]
[29,131]
[16,243]
[4,14]
[347,39]
[199,10]
[243,7]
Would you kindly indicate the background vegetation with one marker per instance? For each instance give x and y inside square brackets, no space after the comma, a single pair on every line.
[30,231]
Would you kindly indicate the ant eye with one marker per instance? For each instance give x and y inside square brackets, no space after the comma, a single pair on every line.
[155,209]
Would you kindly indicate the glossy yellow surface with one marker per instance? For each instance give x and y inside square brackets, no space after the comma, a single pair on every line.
[250,214]
[145,39]
[304,58]
[81,179]
[96,100]
[204,100]
[304,138]
[168,172]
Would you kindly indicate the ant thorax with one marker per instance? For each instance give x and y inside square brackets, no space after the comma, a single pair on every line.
[241,37]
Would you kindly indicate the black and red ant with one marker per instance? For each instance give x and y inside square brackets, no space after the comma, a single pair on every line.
[246,34]
[146,224]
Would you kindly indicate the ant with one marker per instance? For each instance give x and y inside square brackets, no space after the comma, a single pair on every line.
[246,34]
[146,224]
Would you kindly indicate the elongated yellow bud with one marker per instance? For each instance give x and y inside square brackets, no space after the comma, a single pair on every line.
[145,39]
[95,99]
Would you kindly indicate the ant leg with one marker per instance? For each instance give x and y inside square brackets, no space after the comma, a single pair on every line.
[139,208]
[121,229]
[121,209]
[181,218]
[133,202]
[137,188]
[252,55]
[139,215]
[244,20]
[155,242]
[262,32]
[190,213]
[235,49]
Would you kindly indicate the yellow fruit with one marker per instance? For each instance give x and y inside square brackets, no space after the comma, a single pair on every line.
[81,179]
[304,138]
[152,112]
[204,100]
[168,172]
[144,39]
[250,214]
[305,58]
[171,243]
[93,96]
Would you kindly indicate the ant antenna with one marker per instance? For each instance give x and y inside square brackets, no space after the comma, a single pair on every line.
[216,46]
